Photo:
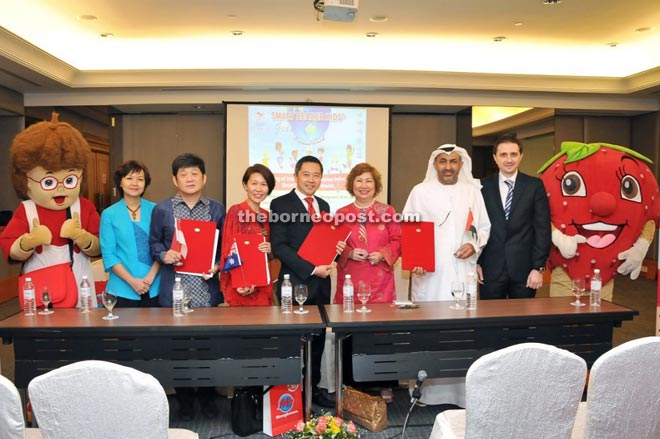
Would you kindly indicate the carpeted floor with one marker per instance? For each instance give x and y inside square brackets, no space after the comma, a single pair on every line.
[419,425]
[640,295]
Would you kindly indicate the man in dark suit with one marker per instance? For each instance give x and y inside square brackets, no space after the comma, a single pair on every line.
[512,263]
[290,225]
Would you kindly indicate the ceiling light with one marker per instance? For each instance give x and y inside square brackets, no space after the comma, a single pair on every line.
[237,33]
[499,39]
[378,19]
[87,17]
[551,2]
[371,34]
[518,23]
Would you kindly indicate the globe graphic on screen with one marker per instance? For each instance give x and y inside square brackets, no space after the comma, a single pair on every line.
[309,124]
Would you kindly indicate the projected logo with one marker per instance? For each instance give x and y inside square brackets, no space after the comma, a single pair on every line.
[285,403]
[309,124]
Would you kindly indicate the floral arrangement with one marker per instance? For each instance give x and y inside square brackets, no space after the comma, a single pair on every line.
[324,427]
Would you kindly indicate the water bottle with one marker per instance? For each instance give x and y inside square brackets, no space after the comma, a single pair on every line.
[287,295]
[349,302]
[29,305]
[177,298]
[471,290]
[85,295]
[596,285]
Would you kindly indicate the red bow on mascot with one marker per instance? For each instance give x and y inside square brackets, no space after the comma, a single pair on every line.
[604,208]
[53,227]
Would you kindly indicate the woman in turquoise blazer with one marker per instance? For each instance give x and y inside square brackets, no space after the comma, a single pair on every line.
[124,237]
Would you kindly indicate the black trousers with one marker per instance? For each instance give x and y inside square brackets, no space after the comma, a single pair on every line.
[505,288]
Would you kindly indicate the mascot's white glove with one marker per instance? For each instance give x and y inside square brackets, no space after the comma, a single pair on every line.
[567,245]
[633,258]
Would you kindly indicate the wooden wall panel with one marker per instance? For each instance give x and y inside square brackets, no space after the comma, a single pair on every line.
[615,130]
[414,137]
[158,138]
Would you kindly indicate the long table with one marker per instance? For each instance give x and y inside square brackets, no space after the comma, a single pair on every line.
[210,347]
[391,343]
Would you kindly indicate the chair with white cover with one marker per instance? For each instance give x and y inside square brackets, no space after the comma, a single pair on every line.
[101,400]
[12,423]
[623,397]
[530,390]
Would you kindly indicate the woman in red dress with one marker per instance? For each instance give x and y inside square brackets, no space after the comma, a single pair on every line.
[248,218]
[374,245]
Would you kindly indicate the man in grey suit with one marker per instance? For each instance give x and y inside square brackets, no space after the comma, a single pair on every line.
[512,263]
[291,224]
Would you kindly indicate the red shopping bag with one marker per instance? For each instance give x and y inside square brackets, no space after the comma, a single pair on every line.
[282,408]
[59,280]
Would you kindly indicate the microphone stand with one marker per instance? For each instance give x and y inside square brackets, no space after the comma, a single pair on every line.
[416,395]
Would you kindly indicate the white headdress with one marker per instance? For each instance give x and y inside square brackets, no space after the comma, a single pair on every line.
[464,176]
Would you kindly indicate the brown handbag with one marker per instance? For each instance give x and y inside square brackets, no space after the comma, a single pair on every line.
[367,410]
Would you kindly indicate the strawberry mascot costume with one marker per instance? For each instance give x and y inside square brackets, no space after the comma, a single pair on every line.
[53,226]
[604,208]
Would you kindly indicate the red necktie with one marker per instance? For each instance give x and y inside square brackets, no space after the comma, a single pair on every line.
[310,206]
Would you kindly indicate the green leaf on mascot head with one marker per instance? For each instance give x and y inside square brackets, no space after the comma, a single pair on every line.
[577,151]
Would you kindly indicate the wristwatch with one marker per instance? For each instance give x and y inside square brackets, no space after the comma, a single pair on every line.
[541,269]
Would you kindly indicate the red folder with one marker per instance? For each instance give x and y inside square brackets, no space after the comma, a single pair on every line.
[201,239]
[254,268]
[320,246]
[418,245]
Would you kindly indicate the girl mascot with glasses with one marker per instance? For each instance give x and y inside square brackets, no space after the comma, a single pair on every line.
[53,225]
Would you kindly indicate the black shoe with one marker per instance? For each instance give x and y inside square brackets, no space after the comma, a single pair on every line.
[186,413]
[209,409]
[322,398]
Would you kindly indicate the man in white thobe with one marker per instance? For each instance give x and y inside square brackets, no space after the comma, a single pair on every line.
[448,197]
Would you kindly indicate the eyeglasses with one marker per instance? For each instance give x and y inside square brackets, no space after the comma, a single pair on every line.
[50,183]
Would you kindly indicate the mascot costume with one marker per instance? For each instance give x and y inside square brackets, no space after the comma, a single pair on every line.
[604,208]
[53,227]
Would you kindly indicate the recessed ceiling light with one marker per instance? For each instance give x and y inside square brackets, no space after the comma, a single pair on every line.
[87,17]
[107,35]
[499,39]
[518,23]
[237,33]
[613,44]
[644,29]
[378,19]
[551,2]
[371,34]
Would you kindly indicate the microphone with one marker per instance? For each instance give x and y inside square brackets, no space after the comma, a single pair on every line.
[417,391]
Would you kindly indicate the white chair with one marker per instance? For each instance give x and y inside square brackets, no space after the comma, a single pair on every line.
[12,424]
[101,400]
[623,397]
[530,390]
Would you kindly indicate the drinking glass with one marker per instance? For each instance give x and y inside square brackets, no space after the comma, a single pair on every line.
[363,295]
[45,298]
[109,301]
[458,291]
[300,294]
[578,288]
[187,297]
